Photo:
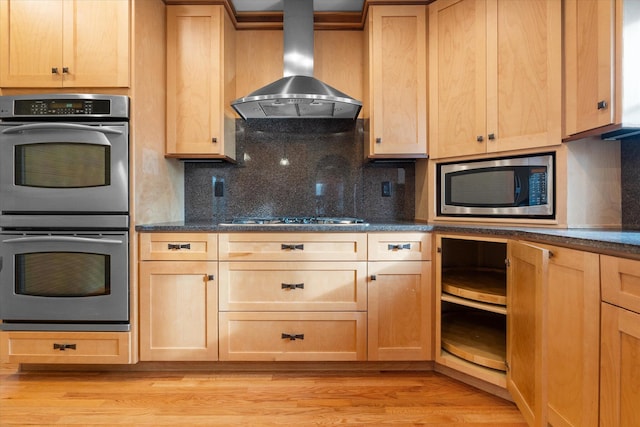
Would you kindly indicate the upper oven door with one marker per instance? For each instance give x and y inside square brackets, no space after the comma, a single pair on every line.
[53,167]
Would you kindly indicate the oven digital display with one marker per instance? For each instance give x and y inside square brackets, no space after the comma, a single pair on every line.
[61,107]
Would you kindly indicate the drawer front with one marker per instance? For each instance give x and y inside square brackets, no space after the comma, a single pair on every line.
[399,246]
[178,246]
[65,347]
[279,286]
[620,282]
[293,247]
[292,336]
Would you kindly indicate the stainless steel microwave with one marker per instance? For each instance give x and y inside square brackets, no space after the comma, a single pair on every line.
[508,187]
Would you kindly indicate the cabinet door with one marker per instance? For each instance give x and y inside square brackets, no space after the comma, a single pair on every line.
[573,320]
[524,74]
[620,367]
[398,81]
[95,43]
[399,311]
[589,32]
[526,287]
[457,78]
[195,90]
[178,311]
[32,26]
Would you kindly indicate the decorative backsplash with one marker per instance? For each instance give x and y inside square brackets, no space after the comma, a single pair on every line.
[301,167]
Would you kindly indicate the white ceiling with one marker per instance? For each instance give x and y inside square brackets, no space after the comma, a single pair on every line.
[318,5]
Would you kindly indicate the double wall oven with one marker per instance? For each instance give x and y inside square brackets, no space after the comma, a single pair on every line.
[64,212]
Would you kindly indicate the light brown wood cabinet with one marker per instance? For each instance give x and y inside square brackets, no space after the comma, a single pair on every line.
[200,82]
[395,93]
[572,310]
[65,347]
[64,43]
[495,76]
[620,345]
[293,296]
[399,296]
[178,297]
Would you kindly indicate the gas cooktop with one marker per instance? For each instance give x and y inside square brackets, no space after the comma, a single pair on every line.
[295,220]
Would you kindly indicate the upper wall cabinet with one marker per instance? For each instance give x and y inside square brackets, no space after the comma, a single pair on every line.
[200,82]
[495,76]
[64,43]
[602,94]
[395,90]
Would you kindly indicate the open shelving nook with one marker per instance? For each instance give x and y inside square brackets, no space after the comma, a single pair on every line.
[471,308]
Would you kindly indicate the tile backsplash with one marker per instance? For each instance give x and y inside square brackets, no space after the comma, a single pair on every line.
[317,168]
[304,167]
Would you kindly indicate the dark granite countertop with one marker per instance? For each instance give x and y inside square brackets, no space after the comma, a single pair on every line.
[608,241]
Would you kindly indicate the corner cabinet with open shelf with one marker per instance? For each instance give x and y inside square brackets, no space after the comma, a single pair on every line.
[471,289]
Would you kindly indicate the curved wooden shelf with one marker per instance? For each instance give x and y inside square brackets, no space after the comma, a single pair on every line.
[476,336]
[478,284]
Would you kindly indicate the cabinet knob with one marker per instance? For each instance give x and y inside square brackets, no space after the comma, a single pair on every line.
[292,337]
[378,140]
[602,105]
[54,70]
[214,140]
[492,136]
[211,277]
[480,138]
[373,277]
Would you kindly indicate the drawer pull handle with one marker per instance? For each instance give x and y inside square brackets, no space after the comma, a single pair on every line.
[285,247]
[292,286]
[176,246]
[63,347]
[293,337]
[399,247]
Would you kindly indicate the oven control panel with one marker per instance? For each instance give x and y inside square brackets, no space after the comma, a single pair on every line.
[64,106]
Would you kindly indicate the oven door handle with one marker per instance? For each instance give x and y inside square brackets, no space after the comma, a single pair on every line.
[60,126]
[63,239]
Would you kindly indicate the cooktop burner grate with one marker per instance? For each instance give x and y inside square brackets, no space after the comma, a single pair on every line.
[295,220]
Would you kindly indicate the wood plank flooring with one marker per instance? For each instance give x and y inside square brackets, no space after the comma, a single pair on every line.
[246,399]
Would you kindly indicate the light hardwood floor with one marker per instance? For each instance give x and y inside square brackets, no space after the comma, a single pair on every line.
[246,399]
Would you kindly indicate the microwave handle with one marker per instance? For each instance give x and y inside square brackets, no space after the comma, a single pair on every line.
[62,239]
[60,126]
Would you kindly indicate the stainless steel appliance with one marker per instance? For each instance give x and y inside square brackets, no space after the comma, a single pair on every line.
[64,212]
[511,187]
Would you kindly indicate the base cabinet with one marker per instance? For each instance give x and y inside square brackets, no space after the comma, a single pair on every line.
[399,297]
[178,297]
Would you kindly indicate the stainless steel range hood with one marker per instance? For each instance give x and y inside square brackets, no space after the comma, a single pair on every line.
[298,94]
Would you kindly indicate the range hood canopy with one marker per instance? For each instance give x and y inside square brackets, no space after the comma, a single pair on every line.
[298,94]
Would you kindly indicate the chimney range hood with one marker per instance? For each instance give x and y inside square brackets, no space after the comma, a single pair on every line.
[298,94]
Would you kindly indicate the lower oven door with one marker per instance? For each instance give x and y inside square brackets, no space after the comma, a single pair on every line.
[64,281]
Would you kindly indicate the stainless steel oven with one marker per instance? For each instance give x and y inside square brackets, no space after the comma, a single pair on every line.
[64,212]
[64,280]
[64,153]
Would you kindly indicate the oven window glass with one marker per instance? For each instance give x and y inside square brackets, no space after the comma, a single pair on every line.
[63,274]
[62,165]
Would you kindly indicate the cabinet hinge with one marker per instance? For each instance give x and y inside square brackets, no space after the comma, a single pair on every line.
[507,262]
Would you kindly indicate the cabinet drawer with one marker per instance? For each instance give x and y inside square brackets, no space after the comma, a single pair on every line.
[399,246]
[293,247]
[65,347]
[620,281]
[178,246]
[292,336]
[280,286]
